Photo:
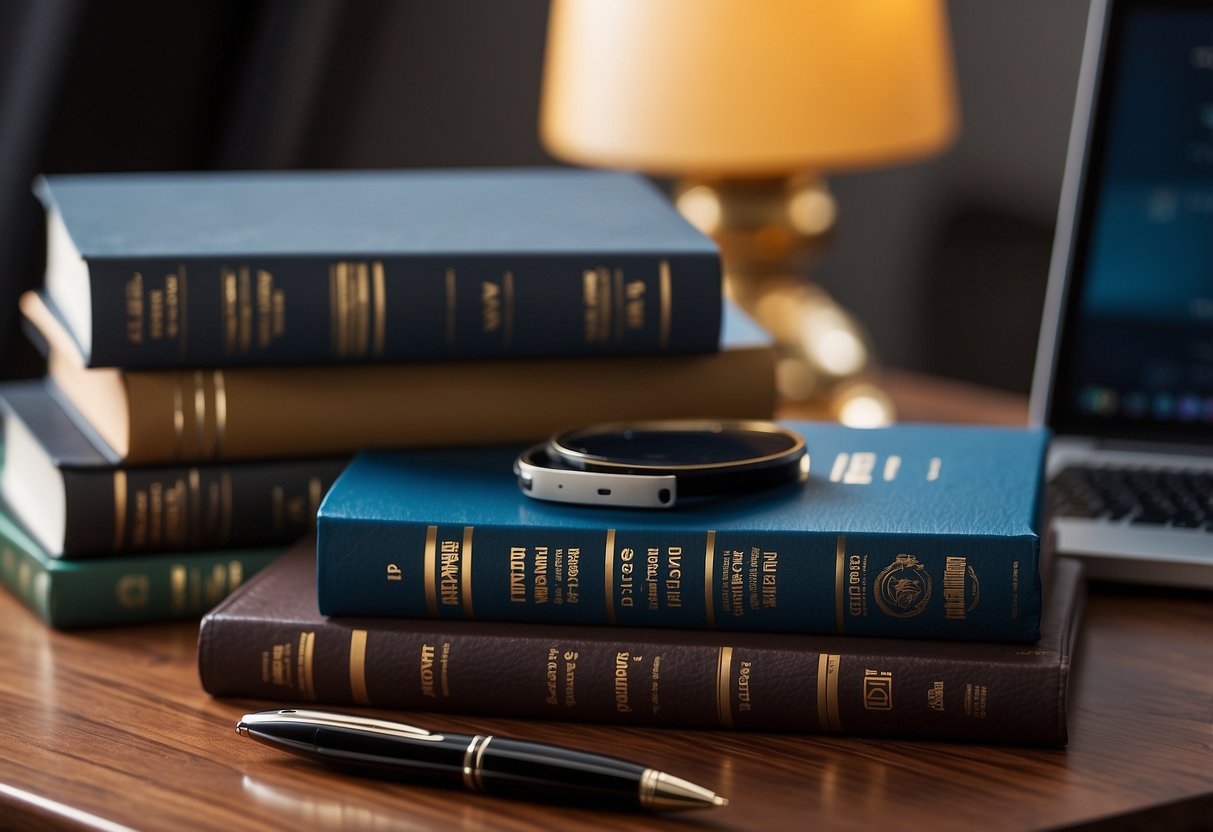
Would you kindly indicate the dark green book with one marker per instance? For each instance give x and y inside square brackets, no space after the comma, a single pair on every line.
[92,593]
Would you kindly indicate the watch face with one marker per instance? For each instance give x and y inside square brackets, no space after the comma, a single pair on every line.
[677,445]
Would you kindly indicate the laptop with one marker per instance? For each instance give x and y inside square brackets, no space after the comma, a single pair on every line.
[1124,372]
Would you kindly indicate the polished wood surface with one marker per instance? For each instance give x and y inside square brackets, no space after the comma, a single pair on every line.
[110,729]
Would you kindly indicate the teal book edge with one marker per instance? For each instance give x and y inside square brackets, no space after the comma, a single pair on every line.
[121,590]
[227,269]
[915,531]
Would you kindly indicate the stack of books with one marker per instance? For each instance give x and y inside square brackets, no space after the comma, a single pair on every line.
[896,592]
[218,345]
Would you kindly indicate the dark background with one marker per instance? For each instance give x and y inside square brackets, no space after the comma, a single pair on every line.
[944,261]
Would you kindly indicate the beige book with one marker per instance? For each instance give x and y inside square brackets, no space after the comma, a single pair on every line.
[159,416]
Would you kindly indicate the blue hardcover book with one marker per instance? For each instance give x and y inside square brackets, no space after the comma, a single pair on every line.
[221,269]
[918,531]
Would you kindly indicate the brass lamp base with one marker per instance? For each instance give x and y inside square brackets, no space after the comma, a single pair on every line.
[770,231]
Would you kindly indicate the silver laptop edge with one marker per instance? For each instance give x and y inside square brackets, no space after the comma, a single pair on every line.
[1112,550]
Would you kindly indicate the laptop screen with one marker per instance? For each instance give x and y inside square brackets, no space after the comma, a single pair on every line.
[1135,358]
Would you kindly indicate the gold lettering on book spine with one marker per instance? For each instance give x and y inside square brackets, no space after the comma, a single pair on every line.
[430,571]
[609,575]
[709,567]
[304,669]
[724,686]
[358,667]
[840,582]
[120,498]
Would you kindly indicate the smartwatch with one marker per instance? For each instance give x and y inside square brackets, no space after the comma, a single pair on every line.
[661,464]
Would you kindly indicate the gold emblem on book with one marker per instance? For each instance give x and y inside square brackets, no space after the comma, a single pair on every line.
[903,588]
[877,690]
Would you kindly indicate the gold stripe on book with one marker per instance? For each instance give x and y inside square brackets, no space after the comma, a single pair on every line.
[465,572]
[358,667]
[199,415]
[183,299]
[609,575]
[307,655]
[431,583]
[507,308]
[380,306]
[823,663]
[666,298]
[724,686]
[449,278]
[196,524]
[120,496]
[220,386]
[709,597]
[178,416]
[840,582]
[828,665]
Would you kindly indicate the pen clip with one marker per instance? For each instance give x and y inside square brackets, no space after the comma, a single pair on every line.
[336,720]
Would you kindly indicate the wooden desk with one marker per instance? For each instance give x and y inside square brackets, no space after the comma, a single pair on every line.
[110,729]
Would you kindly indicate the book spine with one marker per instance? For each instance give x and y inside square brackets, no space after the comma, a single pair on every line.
[304,310]
[962,587]
[102,592]
[262,413]
[190,508]
[632,681]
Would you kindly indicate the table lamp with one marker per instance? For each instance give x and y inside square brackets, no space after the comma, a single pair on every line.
[747,103]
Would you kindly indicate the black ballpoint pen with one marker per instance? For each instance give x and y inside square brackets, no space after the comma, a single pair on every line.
[495,765]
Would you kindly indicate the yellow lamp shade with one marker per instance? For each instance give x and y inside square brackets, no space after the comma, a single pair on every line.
[747,87]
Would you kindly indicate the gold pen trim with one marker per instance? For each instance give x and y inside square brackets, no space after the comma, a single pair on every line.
[473,762]
[709,564]
[724,687]
[358,667]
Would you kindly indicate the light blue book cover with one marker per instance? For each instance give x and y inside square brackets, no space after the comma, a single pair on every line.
[220,269]
[921,531]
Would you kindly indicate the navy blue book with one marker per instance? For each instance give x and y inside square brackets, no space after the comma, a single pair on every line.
[73,494]
[224,269]
[914,531]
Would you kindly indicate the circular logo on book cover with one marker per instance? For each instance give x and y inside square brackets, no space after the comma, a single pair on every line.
[903,588]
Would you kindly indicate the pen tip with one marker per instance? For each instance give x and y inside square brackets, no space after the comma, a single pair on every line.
[717,800]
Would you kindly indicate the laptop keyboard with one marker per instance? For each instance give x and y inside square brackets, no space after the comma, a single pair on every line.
[1149,497]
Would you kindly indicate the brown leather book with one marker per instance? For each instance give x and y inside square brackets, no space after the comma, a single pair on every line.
[162,416]
[268,641]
